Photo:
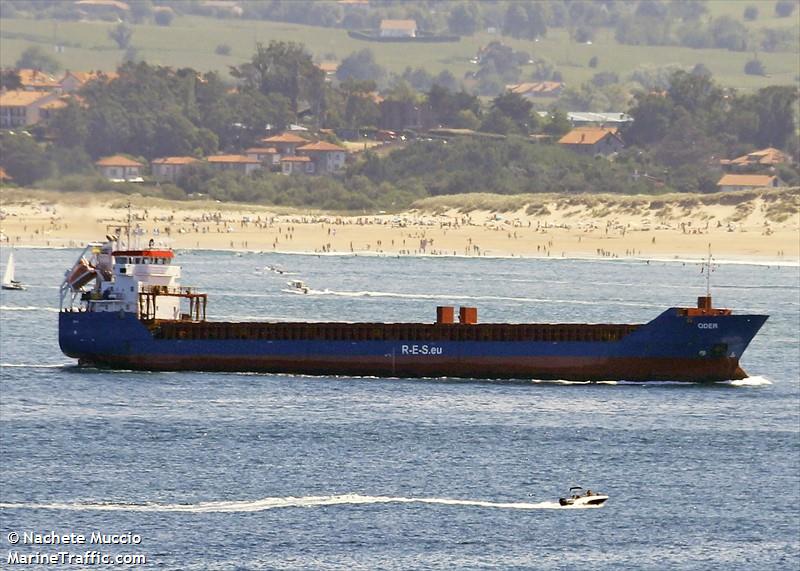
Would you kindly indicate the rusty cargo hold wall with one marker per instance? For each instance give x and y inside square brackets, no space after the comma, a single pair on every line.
[504,332]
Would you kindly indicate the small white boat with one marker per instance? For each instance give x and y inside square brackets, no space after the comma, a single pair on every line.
[8,277]
[297,286]
[580,497]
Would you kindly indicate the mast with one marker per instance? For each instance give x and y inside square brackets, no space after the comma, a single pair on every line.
[708,272]
[128,244]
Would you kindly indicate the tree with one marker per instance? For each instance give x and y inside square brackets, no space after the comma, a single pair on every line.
[728,33]
[463,20]
[401,90]
[514,106]
[35,58]
[558,124]
[466,119]
[448,106]
[593,62]
[360,109]
[122,35]
[701,69]
[360,65]
[70,160]
[689,10]
[141,10]
[785,8]
[755,67]
[651,9]
[583,34]
[687,144]
[516,21]
[419,78]
[750,13]
[69,125]
[446,79]
[652,116]
[604,78]
[497,122]
[543,69]
[694,92]
[537,21]
[9,79]
[284,68]
[23,159]
[223,50]
[775,107]
[164,16]
[499,63]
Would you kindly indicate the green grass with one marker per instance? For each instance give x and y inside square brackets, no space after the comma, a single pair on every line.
[190,42]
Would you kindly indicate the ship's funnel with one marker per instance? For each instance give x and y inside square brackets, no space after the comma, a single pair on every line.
[704,302]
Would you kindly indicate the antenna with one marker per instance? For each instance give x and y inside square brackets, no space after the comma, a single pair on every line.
[708,272]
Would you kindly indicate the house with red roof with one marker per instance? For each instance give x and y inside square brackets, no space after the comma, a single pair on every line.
[593,141]
[46,110]
[19,108]
[297,165]
[74,80]
[240,163]
[37,80]
[285,143]
[170,168]
[268,156]
[535,89]
[327,158]
[103,9]
[730,182]
[118,168]
[757,160]
[398,29]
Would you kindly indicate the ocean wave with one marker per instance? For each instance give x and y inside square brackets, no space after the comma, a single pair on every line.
[264,504]
[32,366]
[389,294]
[28,308]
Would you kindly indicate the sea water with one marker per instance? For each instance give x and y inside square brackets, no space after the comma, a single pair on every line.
[249,471]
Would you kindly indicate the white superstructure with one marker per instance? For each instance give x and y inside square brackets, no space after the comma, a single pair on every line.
[144,282]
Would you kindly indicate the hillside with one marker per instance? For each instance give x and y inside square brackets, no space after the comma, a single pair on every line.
[191,41]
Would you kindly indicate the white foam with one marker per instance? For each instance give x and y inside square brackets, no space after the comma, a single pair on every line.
[756,381]
[264,504]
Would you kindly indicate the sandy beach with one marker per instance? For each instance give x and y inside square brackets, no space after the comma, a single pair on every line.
[749,228]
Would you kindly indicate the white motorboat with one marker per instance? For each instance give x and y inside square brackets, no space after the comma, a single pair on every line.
[297,286]
[579,497]
[8,277]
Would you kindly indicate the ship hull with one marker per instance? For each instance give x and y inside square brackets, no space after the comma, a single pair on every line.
[672,347]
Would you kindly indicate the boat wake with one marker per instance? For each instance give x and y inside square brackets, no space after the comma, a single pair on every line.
[264,504]
[756,381]
[38,366]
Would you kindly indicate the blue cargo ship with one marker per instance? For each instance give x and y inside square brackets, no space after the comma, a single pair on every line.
[125,308]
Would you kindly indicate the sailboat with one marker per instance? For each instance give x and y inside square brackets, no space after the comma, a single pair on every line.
[8,277]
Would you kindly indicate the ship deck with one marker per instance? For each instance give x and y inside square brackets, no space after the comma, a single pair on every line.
[198,330]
